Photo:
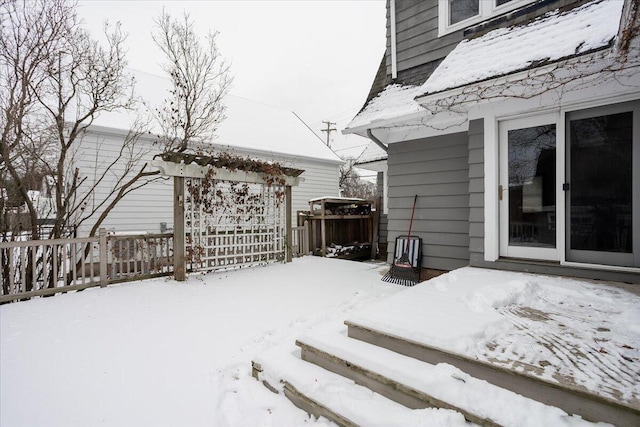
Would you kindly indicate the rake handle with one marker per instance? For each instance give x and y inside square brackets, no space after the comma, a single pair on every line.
[413,209]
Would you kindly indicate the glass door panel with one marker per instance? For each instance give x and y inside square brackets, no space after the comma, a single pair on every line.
[528,188]
[532,186]
[602,172]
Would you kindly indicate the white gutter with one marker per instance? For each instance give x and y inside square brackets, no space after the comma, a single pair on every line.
[394,59]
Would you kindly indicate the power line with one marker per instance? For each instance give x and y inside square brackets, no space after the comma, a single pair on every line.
[351,148]
[303,122]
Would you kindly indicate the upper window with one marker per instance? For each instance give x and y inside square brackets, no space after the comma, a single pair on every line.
[458,14]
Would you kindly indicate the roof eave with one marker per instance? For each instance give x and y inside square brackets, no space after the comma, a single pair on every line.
[384,123]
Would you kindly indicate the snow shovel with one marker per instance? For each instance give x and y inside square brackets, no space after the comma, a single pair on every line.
[407,258]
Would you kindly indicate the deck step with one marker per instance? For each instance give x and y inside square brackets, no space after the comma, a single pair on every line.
[417,384]
[571,400]
[326,394]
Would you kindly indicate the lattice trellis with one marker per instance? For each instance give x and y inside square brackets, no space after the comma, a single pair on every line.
[228,212]
[232,224]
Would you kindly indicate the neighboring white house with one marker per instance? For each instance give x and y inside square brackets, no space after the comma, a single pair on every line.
[250,129]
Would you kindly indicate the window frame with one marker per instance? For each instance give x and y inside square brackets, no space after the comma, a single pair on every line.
[487,10]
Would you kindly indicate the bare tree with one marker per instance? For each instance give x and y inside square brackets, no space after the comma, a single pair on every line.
[199,77]
[56,80]
[352,185]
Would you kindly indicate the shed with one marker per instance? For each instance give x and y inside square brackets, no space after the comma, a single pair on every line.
[342,227]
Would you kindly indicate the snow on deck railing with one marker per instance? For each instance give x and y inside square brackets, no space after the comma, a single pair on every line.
[33,268]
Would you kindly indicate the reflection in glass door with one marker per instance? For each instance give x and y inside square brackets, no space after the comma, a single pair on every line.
[601,205]
[528,188]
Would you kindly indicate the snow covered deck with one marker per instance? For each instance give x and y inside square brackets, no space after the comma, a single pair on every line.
[577,335]
[490,347]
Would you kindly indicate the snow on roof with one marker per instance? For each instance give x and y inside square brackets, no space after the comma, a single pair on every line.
[372,153]
[249,125]
[394,101]
[550,38]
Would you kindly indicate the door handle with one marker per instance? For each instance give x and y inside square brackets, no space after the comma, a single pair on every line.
[500,192]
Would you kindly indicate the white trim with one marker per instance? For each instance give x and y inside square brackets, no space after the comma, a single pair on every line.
[385,190]
[394,57]
[561,177]
[486,11]
[491,220]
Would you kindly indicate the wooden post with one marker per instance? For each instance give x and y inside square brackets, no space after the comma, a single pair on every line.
[323,229]
[102,249]
[178,229]
[289,243]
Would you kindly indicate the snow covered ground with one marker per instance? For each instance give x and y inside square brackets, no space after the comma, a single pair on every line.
[162,353]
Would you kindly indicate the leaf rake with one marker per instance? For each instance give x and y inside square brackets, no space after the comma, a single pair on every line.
[402,271]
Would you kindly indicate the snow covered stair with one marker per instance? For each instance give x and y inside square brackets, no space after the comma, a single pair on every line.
[323,393]
[497,348]
[592,407]
[415,385]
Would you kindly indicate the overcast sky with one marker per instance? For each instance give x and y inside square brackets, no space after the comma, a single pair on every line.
[316,58]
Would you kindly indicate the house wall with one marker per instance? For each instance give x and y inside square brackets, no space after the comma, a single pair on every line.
[140,211]
[436,169]
[145,209]
[320,180]
[418,48]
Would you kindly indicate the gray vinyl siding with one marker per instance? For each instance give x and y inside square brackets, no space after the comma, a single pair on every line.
[418,48]
[436,169]
[476,190]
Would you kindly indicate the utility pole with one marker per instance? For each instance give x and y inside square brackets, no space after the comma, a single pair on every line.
[328,130]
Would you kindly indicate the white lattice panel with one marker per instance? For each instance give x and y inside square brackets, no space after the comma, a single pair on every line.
[233,224]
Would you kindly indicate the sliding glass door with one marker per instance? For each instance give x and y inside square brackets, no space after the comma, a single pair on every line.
[602,185]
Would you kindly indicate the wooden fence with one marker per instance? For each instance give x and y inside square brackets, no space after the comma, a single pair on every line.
[33,268]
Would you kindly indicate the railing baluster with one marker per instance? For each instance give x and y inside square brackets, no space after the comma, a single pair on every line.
[64,264]
[23,269]
[45,266]
[92,274]
[12,271]
[74,262]
[34,276]
[54,282]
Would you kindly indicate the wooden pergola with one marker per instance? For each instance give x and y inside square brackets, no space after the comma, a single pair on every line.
[228,212]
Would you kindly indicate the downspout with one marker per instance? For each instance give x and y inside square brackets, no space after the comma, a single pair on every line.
[376,140]
[394,59]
